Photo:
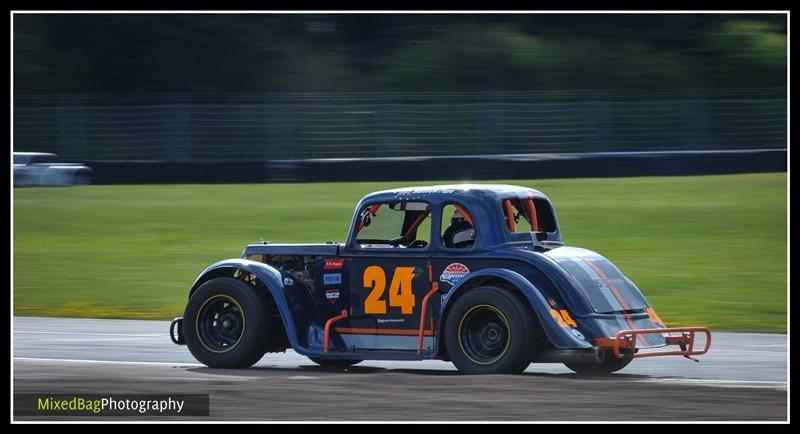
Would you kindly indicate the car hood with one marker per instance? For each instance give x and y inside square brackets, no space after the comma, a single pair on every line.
[603,285]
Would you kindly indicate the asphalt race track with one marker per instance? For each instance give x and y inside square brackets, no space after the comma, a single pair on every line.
[742,378]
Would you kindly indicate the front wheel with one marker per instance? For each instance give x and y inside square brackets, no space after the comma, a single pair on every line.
[610,364]
[490,331]
[226,323]
[334,363]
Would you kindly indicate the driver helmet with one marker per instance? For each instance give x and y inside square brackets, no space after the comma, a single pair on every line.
[457,217]
[465,231]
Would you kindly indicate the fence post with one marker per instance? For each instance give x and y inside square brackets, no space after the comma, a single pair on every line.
[267,130]
[492,140]
[399,124]
[596,122]
[72,127]
[695,123]
[176,133]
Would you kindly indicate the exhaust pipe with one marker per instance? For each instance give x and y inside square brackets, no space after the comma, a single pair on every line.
[583,355]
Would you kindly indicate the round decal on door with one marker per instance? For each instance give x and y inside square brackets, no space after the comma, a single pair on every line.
[454,273]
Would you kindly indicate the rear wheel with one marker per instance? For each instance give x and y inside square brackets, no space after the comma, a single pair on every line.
[334,363]
[81,178]
[226,323]
[490,331]
[610,363]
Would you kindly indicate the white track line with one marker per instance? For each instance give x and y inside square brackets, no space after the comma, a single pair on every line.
[719,383]
[91,333]
[42,359]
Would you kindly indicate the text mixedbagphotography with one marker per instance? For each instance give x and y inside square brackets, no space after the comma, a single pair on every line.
[111,405]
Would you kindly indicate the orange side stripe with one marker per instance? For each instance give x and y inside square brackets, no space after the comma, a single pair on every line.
[654,316]
[611,286]
[367,331]
[617,295]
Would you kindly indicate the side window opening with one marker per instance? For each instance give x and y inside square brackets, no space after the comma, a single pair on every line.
[545,216]
[458,230]
[394,225]
[529,215]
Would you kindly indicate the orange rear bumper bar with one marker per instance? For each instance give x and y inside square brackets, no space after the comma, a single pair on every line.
[627,339]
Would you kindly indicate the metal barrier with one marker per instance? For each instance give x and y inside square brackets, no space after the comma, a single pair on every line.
[516,166]
[369,125]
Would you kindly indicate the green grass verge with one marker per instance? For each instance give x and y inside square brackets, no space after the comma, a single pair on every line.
[706,250]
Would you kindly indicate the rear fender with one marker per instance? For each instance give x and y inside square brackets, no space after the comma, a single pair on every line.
[560,337]
[269,276]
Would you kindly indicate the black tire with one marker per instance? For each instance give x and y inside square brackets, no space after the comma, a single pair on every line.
[490,331]
[81,178]
[334,363]
[226,323]
[609,364]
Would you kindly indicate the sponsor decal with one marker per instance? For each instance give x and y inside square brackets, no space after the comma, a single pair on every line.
[563,318]
[332,279]
[556,316]
[366,218]
[578,334]
[333,264]
[601,283]
[567,318]
[332,295]
[287,281]
[453,273]
[428,191]
[390,320]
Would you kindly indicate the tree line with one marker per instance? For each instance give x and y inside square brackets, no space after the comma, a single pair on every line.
[258,53]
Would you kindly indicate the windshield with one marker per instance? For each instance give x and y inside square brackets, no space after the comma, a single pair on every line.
[21,159]
[394,225]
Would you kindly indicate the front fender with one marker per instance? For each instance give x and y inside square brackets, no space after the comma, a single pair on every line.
[271,278]
[560,337]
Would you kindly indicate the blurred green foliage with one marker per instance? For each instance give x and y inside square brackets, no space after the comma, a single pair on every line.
[207,53]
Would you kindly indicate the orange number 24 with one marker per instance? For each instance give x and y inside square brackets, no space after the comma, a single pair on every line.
[400,293]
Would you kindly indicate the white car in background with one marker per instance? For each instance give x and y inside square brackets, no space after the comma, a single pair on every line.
[39,168]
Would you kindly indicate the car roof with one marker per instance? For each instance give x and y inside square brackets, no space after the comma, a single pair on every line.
[35,154]
[442,192]
[482,201]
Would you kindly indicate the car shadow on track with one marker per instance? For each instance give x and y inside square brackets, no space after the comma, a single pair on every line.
[271,371]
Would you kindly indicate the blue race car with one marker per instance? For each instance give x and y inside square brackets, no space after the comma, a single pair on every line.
[474,274]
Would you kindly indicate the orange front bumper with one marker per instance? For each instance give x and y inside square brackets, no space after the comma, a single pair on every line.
[627,339]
